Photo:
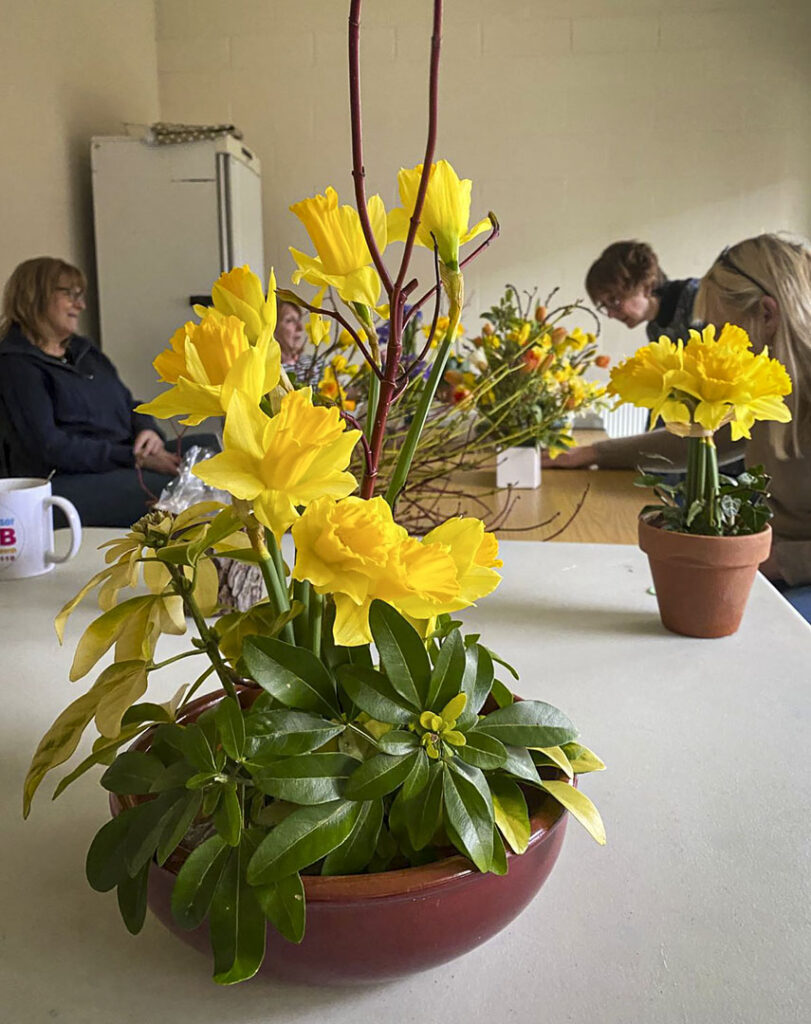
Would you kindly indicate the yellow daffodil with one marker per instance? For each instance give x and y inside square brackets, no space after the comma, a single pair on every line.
[207,362]
[730,382]
[238,293]
[442,324]
[354,550]
[647,379]
[445,214]
[285,461]
[342,259]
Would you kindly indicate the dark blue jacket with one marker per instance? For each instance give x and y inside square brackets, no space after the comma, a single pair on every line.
[71,416]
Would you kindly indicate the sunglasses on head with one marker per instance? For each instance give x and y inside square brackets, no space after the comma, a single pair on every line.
[726,261]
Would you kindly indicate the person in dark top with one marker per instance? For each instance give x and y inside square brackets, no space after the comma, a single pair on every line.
[627,284]
[63,407]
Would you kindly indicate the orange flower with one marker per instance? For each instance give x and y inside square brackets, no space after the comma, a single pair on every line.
[559,334]
[602,361]
[532,359]
[460,394]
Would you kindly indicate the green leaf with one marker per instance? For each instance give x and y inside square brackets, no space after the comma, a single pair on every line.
[446,678]
[104,865]
[424,812]
[308,778]
[237,924]
[222,525]
[293,675]
[355,852]
[398,741]
[197,748]
[183,813]
[519,763]
[402,654]
[103,751]
[228,816]
[103,632]
[502,694]
[175,776]
[498,865]
[147,823]
[528,723]
[477,682]
[557,756]
[379,775]
[374,694]
[483,751]
[303,838]
[469,815]
[582,759]
[417,778]
[284,905]
[510,809]
[133,772]
[231,728]
[503,663]
[196,882]
[132,899]
[146,711]
[274,734]
[580,806]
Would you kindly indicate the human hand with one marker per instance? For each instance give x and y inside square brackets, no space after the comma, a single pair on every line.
[574,458]
[147,442]
[160,462]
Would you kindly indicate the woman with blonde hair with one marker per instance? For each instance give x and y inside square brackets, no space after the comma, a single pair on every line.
[762,284]
[63,408]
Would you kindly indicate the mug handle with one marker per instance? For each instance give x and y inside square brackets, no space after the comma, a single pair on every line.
[75,525]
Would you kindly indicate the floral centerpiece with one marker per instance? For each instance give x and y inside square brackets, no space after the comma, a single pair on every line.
[696,388]
[357,729]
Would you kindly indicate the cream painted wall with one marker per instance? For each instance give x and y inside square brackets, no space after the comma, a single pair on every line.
[69,69]
[686,123]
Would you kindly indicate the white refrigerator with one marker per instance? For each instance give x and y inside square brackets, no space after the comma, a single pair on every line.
[168,220]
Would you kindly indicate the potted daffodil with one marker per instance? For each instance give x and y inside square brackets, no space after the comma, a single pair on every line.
[707,535]
[359,761]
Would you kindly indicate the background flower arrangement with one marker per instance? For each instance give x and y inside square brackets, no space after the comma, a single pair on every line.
[358,728]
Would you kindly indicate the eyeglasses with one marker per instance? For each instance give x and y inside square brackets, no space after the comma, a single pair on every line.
[608,305]
[75,294]
[726,261]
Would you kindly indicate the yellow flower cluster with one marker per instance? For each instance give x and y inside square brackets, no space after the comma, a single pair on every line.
[232,349]
[707,382]
[354,550]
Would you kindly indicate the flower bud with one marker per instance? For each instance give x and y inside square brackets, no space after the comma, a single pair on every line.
[559,334]
[487,328]
[540,313]
[602,361]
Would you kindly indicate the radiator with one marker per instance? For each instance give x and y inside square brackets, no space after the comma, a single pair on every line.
[625,421]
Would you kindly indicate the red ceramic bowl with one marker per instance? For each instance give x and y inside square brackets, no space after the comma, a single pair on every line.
[376,927]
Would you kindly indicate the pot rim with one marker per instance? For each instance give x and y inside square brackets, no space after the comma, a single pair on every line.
[548,818]
[658,528]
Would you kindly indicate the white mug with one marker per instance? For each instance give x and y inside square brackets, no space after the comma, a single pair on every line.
[26,528]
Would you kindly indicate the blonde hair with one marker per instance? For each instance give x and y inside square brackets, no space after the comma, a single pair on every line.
[732,290]
[28,292]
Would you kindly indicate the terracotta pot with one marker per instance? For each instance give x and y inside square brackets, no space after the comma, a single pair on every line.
[376,927]
[702,583]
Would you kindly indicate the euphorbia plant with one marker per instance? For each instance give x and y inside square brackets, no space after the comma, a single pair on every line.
[696,388]
[369,742]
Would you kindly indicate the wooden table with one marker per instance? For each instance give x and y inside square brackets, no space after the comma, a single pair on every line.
[609,503]
[697,910]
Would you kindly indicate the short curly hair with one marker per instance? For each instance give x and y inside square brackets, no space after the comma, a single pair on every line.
[623,268]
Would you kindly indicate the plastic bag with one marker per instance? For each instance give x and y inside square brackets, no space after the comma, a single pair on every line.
[186,489]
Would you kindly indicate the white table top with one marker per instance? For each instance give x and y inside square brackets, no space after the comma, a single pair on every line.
[696,911]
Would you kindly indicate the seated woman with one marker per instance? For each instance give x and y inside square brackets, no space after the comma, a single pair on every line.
[627,284]
[763,285]
[63,407]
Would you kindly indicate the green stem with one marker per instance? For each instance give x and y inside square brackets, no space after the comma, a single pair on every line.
[711,481]
[371,411]
[316,621]
[302,590]
[195,686]
[274,576]
[183,588]
[400,474]
[162,664]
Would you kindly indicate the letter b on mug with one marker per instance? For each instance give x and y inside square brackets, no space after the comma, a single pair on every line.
[26,528]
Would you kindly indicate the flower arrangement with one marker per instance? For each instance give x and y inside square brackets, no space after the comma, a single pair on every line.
[525,373]
[695,389]
[358,729]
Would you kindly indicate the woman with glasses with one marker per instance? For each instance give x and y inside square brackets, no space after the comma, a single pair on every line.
[63,407]
[762,284]
[627,284]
